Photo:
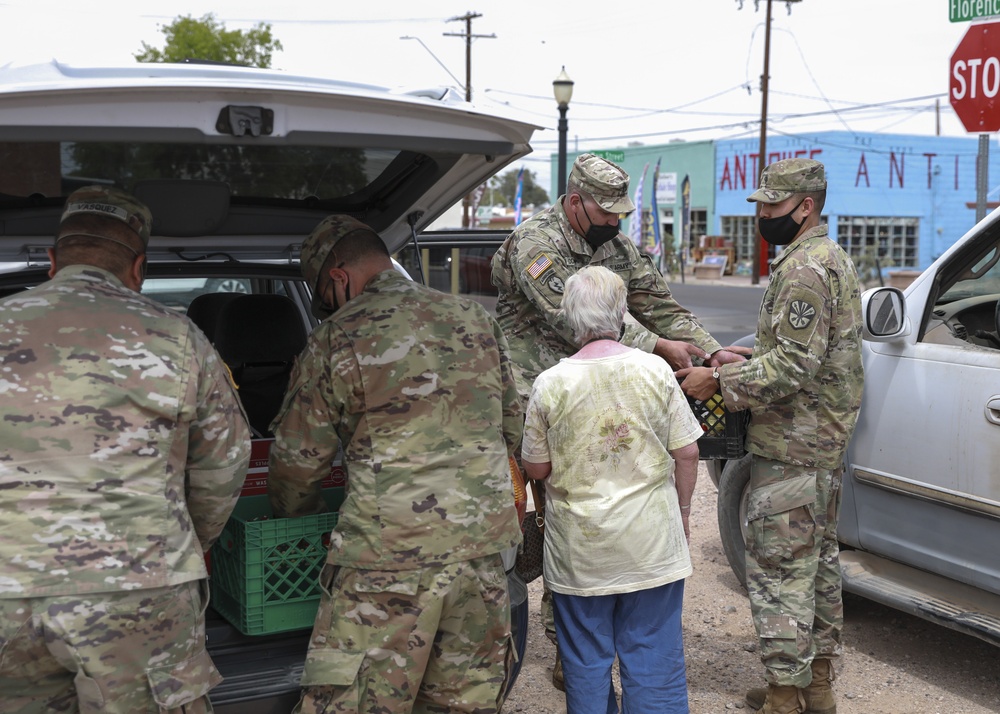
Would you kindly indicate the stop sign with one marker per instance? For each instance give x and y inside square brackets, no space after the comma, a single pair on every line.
[974,88]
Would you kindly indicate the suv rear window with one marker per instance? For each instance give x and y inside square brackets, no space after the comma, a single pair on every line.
[328,174]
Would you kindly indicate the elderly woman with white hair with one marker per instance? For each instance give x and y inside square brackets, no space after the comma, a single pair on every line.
[612,435]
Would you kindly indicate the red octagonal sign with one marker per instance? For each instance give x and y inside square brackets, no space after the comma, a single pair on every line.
[974,88]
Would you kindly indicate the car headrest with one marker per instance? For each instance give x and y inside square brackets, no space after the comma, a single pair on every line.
[254,329]
[184,207]
[205,310]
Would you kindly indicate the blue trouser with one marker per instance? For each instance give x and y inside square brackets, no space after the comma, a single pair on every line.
[644,629]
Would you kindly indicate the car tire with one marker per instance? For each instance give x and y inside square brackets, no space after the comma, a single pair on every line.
[227,285]
[734,487]
[519,635]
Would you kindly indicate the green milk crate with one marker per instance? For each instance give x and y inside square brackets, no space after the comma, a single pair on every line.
[265,570]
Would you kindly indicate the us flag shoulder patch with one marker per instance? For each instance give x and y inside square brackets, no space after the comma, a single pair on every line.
[541,264]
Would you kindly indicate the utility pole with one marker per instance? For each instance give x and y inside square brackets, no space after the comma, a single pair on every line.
[467,18]
[762,155]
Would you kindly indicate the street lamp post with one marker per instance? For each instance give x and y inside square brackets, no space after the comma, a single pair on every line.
[562,87]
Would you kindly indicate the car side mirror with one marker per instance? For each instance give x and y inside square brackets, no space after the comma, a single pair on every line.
[884,312]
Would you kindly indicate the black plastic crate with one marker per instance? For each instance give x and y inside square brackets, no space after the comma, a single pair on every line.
[725,431]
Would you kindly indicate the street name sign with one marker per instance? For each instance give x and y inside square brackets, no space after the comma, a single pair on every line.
[965,10]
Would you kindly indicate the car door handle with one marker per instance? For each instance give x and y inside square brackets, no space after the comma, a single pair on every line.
[993,410]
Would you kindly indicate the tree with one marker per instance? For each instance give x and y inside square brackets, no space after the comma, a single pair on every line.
[208,39]
[506,185]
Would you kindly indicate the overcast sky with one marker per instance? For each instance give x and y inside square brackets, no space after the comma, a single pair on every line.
[644,71]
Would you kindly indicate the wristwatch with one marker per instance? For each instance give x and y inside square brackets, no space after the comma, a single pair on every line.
[715,375]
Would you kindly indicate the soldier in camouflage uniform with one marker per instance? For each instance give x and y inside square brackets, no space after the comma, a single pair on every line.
[803,387]
[417,388]
[581,228]
[530,271]
[122,452]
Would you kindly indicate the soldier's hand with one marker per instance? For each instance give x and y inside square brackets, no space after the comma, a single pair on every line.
[697,382]
[678,354]
[728,355]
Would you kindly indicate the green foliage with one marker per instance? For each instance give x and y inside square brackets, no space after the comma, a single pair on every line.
[506,186]
[208,39]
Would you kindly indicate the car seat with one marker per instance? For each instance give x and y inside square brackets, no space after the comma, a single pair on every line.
[205,309]
[259,337]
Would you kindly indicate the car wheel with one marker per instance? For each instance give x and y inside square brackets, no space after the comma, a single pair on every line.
[228,285]
[734,487]
[519,634]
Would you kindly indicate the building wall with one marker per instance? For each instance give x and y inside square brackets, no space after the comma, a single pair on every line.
[683,158]
[927,178]
[929,181]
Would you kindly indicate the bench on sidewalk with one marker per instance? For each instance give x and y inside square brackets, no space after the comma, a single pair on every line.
[712,266]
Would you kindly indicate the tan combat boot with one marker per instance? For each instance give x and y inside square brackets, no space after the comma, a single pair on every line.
[783,700]
[819,693]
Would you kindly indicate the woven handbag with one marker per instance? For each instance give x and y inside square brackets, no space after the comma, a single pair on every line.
[529,557]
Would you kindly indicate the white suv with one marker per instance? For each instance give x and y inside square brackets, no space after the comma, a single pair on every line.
[238,165]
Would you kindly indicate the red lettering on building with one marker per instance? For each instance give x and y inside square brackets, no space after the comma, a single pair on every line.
[740,171]
[737,169]
[895,168]
[726,178]
[930,168]
[862,171]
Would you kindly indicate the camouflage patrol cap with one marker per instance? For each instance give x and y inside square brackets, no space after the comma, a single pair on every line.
[606,182]
[318,245]
[110,202]
[787,177]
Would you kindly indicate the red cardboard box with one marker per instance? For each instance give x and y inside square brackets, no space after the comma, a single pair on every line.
[255,483]
[256,480]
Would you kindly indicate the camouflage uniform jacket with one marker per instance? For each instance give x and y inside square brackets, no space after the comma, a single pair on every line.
[416,386]
[803,384]
[530,271]
[122,443]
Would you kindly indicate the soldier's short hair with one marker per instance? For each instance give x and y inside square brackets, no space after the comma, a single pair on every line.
[88,239]
[593,303]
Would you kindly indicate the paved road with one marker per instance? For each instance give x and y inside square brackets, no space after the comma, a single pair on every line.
[729,312]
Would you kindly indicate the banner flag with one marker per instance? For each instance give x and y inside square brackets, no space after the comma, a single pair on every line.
[685,241]
[655,211]
[517,197]
[475,198]
[635,223]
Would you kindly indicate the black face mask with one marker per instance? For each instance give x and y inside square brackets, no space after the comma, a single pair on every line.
[781,230]
[597,236]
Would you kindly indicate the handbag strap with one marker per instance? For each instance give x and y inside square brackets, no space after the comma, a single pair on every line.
[538,496]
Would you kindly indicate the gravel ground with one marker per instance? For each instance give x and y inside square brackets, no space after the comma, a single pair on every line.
[893,663]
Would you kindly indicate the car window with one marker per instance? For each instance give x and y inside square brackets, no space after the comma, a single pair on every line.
[179,292]
[460,269]
[323,173]
[965,312]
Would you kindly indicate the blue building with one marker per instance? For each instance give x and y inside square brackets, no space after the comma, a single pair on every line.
[903,198]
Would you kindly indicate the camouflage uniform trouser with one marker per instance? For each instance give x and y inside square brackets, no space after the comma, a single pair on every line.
[434,639]
[793,567]
[119,653]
